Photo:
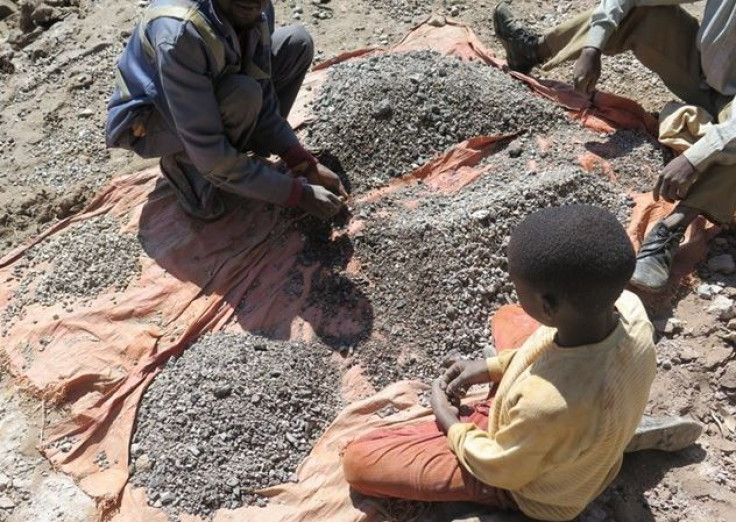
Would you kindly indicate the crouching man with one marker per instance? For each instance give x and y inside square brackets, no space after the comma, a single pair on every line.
[696,61]
[206,85]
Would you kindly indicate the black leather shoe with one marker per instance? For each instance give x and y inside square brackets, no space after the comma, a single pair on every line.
[205,204]
[654,259]
[522,46]
[664,434]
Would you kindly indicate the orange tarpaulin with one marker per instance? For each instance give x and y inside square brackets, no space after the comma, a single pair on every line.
[98,356]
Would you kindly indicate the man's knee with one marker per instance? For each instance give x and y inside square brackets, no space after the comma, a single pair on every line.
[240,98]
[301,44]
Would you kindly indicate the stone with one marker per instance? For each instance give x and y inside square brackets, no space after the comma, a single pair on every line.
[222,392]
[382,109]
[7,8]
[167,498]
[46,16]
[715,357]
[143,464]
[481,215]
[668,326]
[732,325]
[707,291]
[6,503]
[728,379]
[723,264]
[722,308]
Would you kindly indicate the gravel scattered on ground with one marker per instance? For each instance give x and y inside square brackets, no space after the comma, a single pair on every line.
[234,414]
[385,115]
[80,262]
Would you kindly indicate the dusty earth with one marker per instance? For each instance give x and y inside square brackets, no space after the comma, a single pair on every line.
[55,77]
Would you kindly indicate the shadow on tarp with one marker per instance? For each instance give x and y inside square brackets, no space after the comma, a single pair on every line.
[283,295]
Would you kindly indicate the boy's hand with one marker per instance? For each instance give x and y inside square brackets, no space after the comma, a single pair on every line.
[463,374]
[444,411]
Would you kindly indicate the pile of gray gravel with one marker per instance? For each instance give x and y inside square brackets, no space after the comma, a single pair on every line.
[385,115]
[81,262]
[234,414]
[438,269]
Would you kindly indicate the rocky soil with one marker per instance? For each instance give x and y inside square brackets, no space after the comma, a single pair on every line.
[433,269]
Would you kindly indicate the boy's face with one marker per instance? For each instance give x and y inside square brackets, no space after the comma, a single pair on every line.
[243,14]
[540,307]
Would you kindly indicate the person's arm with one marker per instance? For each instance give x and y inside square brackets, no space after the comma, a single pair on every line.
[718,146]
[189,92]
[609,14]
[517,453]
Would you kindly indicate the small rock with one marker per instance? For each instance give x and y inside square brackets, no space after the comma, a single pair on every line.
[715,357]
[194,450]
[223,391]
[480,215]
[382,109]
[723,308]
[143,463]
[732,324]
[668,326]
[255,399]
[515,149]
[707,291]
[7,8]
[167,498]
[6,503]
[728,380]
[723,264]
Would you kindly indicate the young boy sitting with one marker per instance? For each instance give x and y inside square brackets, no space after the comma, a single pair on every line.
[568,402]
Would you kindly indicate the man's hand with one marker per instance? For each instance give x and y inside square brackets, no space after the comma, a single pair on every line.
[675,180]
[321,175]
[463,374]
[319,202]
[444,411]
[587,70]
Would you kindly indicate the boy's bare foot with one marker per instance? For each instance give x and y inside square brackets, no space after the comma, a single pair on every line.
[664,434]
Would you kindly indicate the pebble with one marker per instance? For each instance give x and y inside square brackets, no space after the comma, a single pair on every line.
[723,308]
[6,503]
[707,291]
[723,263]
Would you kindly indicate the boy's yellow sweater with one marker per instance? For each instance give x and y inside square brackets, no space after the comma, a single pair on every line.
[562,417]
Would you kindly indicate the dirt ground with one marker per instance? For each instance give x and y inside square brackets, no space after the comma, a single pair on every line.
[53,159]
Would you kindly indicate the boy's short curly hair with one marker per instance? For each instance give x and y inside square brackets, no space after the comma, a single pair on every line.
[578,253]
